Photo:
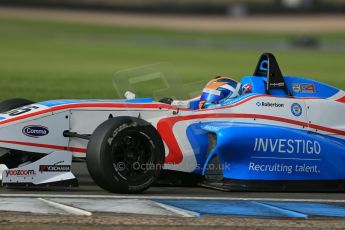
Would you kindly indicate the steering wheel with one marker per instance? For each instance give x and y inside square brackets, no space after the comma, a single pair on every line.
[166,100]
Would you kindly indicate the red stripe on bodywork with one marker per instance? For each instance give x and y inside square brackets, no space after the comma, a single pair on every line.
[119,105]
[164,126]
[88,105]
[175,156]
[46,146]
[342,100]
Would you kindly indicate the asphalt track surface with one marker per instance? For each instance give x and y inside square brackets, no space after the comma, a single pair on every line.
[88,188]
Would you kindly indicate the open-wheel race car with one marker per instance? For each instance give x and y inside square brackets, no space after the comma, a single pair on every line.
[267,132]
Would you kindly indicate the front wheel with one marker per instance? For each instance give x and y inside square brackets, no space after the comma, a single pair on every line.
[125,155]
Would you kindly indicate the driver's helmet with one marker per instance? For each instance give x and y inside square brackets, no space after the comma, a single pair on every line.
[219,90]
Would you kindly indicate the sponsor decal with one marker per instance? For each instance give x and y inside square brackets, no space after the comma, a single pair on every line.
[35,131]
[280,84]
[296,88]
[20,173]
[284,168]
[21,110]
[264,65]
[304,88]
[55,168]
[269,104]
[212,128]
[290,146]
[247,88]
[296,109]
[308,88]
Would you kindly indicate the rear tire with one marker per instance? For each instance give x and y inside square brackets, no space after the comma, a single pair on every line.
[13,104]
[125,155]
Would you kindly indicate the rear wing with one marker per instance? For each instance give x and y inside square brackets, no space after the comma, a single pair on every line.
[268,67]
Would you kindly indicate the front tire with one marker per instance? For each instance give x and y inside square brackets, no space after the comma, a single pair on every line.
[125,155]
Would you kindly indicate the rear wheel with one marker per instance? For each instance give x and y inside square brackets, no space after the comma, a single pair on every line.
[13,104]
[125,155]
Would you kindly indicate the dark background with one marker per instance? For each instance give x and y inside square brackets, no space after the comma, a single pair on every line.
[206,7]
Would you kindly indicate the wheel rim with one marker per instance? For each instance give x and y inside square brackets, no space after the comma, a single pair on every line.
[132,154]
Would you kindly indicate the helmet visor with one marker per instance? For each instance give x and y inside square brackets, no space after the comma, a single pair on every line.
[211,98]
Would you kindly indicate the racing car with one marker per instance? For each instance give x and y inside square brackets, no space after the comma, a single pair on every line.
[279,133]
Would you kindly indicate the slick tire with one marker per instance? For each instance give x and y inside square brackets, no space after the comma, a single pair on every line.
[13,104]
[125,155]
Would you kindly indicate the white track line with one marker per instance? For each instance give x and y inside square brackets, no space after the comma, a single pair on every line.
[178,211]
[66,208]
[167,198]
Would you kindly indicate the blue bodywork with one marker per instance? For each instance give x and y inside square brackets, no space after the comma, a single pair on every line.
[262,152]
[321,90]
[259,85]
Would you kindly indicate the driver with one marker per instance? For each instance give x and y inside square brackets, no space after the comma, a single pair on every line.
[218,91]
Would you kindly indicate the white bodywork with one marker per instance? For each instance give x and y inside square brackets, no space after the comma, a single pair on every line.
[54,167]
[171,122]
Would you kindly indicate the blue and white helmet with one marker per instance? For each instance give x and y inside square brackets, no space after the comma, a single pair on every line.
[219,90]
